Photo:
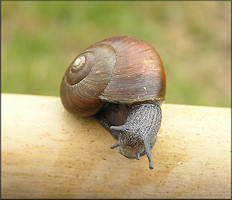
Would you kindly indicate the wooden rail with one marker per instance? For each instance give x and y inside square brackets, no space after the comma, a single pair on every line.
[49,153]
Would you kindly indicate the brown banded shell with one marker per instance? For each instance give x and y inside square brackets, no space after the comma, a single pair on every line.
[118,70]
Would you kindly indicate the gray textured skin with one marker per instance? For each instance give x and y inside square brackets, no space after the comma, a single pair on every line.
[135,127]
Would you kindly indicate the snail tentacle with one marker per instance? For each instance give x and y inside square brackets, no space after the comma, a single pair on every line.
[137,155]
[115,145]
[148,152]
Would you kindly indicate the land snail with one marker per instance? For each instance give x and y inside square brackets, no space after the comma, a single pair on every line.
[122,82]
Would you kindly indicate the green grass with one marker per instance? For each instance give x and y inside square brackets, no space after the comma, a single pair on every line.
[40,39]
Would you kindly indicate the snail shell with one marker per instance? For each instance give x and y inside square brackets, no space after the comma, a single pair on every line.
[121,70]
[122,82]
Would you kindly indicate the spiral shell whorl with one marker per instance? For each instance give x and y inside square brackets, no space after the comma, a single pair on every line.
[80,90]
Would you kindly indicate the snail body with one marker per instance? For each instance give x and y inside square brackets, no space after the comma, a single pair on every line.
[122,82]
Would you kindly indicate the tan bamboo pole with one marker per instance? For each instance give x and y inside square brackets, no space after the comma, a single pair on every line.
[49,153]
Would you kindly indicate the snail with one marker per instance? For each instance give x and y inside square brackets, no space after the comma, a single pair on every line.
[122,82]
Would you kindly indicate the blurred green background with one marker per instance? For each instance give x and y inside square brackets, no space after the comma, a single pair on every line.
[40,39]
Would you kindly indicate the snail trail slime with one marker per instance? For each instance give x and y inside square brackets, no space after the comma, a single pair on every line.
[120,80]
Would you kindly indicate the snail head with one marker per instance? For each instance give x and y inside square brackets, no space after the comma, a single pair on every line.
[131,144]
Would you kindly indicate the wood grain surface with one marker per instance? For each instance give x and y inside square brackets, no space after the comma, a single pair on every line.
[49,153]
